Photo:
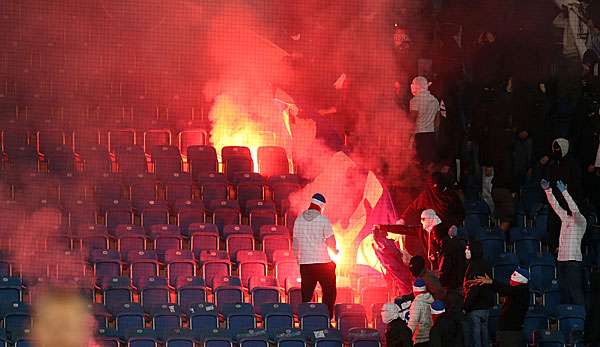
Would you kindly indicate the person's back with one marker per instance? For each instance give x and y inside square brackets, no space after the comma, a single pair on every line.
[395,315]
[452,263]
[420,313]
[312,228]
[446,331]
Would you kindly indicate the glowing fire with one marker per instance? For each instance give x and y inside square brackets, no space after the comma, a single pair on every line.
[233,126]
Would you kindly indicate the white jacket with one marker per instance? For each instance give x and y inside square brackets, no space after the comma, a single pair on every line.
[420,317]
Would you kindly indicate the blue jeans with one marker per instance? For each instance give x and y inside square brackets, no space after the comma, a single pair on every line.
[478,319]
[570,281]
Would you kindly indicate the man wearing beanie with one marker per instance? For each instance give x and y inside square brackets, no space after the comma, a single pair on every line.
[395,315]
[447,328]
[418,270]
[420,314]
[514,307]
[313,235]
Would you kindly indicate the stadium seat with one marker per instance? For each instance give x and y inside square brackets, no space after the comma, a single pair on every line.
[165,318]
[272,161]
[536,318]
[313,316]
[570,318]
[225,212]
[81,212]
[142,338]
[345,295]
[154,213]
[253,338]
[215,268]
[154,291]
[281,192]
[525,244]
[23,158]
[263,290]
[131,161]
[129,317]
[260,217]
[238,317]
[234,165]
[504,266]
[236,230]
[251,263]
[551,339]
[492,241]
[155,138]
[189,212]
[178,187]
[16,317]
[376,318]
[272,230]
[247,191]
[248,177]
[290,338]
[218,338]
[293,292]
[364,337]
[142,265]
[203,317]
[191,290]
[277,316]
[116,291]
[180,264]
[142,188]
[107,263]
[239,242]
[542,270]
[101,315]
[202,159]
[166,160]
[10,290]
[132,239]
[286,269]
[107,187]
[166,237]
[210,255]
[349,316]
[190,138]
[272,243]
[327,338]
[213,191]
[60,159]
[204,237]
[119,212]
[107,337]
[227,290]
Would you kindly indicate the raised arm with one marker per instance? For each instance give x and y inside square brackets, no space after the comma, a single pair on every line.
[552,200]
[570,202]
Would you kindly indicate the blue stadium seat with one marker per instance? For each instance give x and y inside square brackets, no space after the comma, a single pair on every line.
[260,217]
[166,160]
[277,316]
[153,213]
[313,316]
[189,212]
[551,295]
[130,238]
[129,317]
[251,263]
[525,244]
[536,318]
[202,159]
[570,318]
[263,290]
[239,242]
[253,338]
[492,241]
[203,317]
[142,338]
[236,229]
[154,291]
[552,339]
[247,191]
[227,290]
[142,188]
[204,237]
[218,338]
[238,317]
[118,212]
[180,264]
[286,268]
[107,263]
[95,159]
[281,192]
[364,337]
[116,291]
[542,270]
[327,338]
[142,265]
[225,212]
[10,290]
[349,316]
[180,337]
[165,318]
[272,161]
[16,317]
[131,160]
[504,265]
[107,337]
[289,338]
[101,315]
[190,291]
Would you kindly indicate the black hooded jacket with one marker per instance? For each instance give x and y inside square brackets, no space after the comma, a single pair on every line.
[398,334]
[446,331]
[478,297]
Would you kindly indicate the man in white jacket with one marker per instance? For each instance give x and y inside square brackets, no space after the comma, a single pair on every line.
[420,314]
[313,236]
[570,260]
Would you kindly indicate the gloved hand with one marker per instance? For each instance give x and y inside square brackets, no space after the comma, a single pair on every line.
[453,231]
[561,186]
[545,184]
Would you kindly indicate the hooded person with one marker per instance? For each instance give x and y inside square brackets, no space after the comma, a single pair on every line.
[447,328]
[436,196]
[395,315]
[420,313]
[424,108]
[478,299]
[313,236]
[514,307]
[451,266]
[561,166]
[432,283]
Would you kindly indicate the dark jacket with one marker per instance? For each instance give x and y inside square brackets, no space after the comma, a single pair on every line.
[452,262]
[446,204]
[478,297]
[514,307]
[398,334]
[447,331]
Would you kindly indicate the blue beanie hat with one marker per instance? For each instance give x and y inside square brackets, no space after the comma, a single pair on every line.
[438,307]
[419,285]
[318,199]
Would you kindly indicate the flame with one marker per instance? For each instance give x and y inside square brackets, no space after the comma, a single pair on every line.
[233,126]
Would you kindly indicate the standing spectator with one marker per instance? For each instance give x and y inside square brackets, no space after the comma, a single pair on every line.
[514,307]
[487,62]
[478,299]
[397,333]
[447,329]
[424,107]
[452,267]
[560,166]
[313,235]
[572,229]
[432,283]
[420,314]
